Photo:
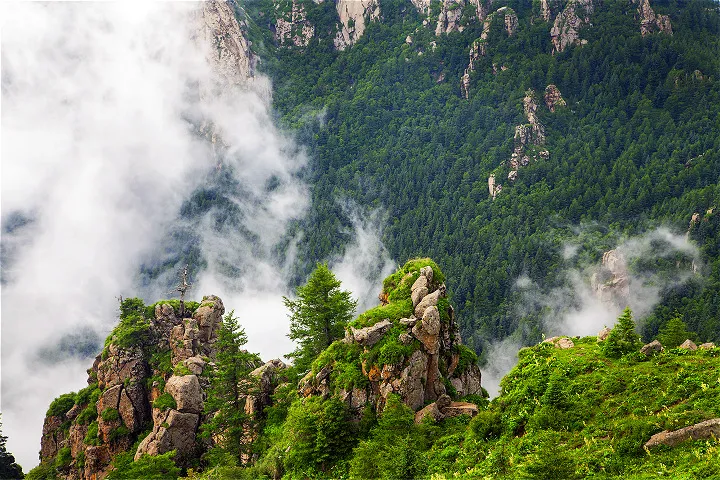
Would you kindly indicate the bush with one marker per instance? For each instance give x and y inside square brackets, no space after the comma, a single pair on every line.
[160,467]
[91,437]
[60,406]
[63,458]
[110,414]
[88,414]
[165,402]
[486,425]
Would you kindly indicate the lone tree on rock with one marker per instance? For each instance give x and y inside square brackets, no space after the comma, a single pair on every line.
[318,316]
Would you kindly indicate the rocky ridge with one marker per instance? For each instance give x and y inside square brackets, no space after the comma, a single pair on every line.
[650,22]
[409,346]
[479,46]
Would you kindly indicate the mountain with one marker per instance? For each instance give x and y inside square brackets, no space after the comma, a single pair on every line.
[513,141]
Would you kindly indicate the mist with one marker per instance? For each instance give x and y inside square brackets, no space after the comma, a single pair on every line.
[114,136]
[657,261]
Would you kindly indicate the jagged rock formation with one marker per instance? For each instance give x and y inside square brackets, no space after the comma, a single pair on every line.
[479,46]
[553,98]
[451,13]
[227,46]
[353,16]
[527,137]
[494,188]
[699,431]
[548,9]
[156,382]
[649,21]
[566,28]
[611,283]
[291,24]
[418,357]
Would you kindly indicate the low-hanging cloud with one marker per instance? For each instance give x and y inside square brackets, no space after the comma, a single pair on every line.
[654,263]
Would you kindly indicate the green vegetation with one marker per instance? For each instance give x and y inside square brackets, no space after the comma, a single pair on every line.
[63,458]
[133,329]
[92,436]
[386,126]
[160,467]
[674,333]
[110,414]
[318,316]
[230,386]
[8,467]
[60,406]
[165,402]
[622,338]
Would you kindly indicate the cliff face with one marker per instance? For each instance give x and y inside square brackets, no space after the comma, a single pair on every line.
[292,27]
[651,22]
[353,17]
[567,25]
[409,346]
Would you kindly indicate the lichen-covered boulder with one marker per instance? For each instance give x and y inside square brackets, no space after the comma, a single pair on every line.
[185,389]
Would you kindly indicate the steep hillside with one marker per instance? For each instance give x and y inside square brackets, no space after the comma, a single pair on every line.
[495,134]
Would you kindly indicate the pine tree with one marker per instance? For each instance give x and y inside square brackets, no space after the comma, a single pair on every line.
[674,333]
[230,385]
[622,338]
[8,467]
[318,316]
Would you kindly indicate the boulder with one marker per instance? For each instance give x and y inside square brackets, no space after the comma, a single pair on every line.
[652,348]
[175,432]
[421,282]
[427,272]
[688,345]
[408,322]
[456,409]
[603,334]
[369,336]
[704,346]
[412,380]
[560,342]
[405,338]
[468,382]
[418,294]
[209,316]
[430,300]
[195,365]
[428,329]
[431,411]
[109,399]
[186,391]
[699,431]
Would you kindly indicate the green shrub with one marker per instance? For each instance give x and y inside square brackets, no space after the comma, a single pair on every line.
[110,414]
[63,458]
[165,402]
[44,471]
[486,425]
[392,311]
[87,415]
[60,406]
[118,432]
[181,369]
[85,395]
[147,467]
[468,358]
[80,459]
[91,437]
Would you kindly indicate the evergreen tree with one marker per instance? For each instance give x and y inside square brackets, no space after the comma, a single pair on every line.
[318,316]
[622,338]
[8,467]
[674,333]
[230,386]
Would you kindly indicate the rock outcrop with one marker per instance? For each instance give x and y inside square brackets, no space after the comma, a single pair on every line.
[450,19]
[528,137]
[611,283]
[427,355]
[566,28]
[479,46]
[292,27]
[651,22]
[688,345]
[548,9]
[699,431]
[444,407]
[493,188]
[562,343]
[553,98]
[152,375]
[354,15]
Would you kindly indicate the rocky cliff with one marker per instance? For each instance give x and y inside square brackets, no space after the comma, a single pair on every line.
[566,28]
[150,382]
[354,15]
[292,27]
[651,22]
[409,346]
